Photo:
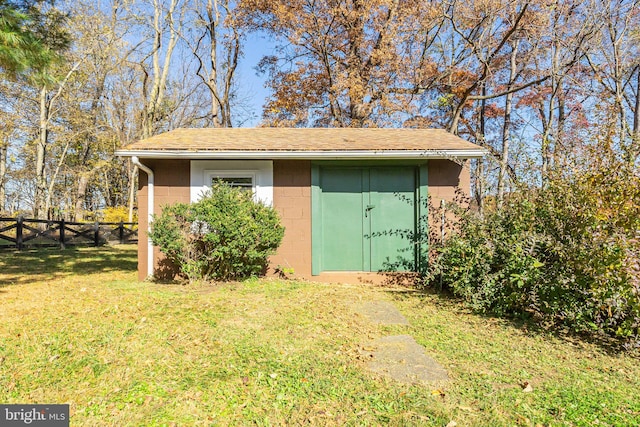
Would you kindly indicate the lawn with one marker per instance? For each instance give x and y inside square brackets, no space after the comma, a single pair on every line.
[77,328]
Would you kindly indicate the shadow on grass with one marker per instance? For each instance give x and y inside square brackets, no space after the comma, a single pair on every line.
[526,324]
[50,263]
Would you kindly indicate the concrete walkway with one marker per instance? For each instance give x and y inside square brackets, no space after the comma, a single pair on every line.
[382,312]
[398,357]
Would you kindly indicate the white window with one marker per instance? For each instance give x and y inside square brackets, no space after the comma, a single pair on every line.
[245,180]
[253,175]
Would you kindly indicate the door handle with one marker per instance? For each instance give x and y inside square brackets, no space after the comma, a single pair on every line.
[367,209]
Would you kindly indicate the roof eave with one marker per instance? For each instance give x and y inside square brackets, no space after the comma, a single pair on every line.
[304,155]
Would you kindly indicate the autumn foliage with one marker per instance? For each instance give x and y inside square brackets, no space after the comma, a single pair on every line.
[568,253]
[345,63]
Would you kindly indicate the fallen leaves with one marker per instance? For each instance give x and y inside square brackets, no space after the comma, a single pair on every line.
[438,392]
[526,387]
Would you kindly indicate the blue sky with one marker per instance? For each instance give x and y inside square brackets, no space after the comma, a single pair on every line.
[251,85]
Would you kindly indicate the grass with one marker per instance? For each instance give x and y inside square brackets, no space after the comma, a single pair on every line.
[77,328]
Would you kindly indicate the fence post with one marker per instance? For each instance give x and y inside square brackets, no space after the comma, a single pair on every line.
[62,243]
[121,232]
[19,222]
[96,233]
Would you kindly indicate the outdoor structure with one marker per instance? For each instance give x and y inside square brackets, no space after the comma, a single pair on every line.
[351,200]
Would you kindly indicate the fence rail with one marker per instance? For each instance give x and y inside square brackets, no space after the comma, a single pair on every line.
[22,233]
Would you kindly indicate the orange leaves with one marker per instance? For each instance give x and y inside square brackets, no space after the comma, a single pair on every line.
[294,92]
[343,60]
[460,80]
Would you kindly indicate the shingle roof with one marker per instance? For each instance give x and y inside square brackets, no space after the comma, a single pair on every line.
[300,140]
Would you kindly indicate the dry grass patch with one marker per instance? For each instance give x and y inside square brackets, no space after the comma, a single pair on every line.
[512,373]
[127,353]
[77,328]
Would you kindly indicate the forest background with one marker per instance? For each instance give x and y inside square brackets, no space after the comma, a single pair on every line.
[548,87]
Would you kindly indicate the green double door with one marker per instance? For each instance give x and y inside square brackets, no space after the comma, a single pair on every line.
[367,218]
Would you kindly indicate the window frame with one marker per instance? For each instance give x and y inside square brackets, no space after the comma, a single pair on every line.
[200,170]
[210,175]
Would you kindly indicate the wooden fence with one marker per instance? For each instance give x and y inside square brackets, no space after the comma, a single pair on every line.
[23,233]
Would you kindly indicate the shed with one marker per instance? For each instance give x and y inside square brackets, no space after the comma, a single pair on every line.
[350,200]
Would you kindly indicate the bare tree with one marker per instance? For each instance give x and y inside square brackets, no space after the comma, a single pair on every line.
[47,101]
[166,26]
[506,128]
[4,148]
[217,50]
[615,64]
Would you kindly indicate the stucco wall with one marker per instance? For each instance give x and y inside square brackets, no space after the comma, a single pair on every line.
[171,185]
[445,177]
[292,200]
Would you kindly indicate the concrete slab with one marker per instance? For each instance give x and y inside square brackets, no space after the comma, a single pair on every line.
[381,312]
[402,359]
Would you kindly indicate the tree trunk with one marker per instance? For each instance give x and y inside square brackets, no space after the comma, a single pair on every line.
[41,147]
[46,105]
[213,17]
[506,130]
[547,148]
[233,55]
[544,150]
[479,170]
[3,174]
[106,187]
[560,151]
[217,67]
[78,211]
[635,138]
[356,88]
[54,176]
[160,73]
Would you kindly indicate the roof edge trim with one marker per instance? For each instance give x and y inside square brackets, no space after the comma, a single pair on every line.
[305,155]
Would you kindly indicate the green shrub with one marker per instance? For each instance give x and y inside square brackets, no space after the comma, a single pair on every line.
[567,254]
[224,236]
